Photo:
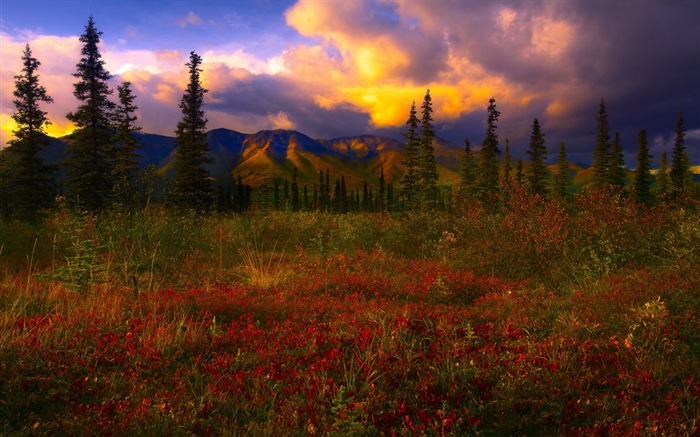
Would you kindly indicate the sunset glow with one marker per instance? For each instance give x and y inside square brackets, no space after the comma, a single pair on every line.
[307,64]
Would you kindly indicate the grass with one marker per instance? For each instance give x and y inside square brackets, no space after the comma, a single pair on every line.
[541,319]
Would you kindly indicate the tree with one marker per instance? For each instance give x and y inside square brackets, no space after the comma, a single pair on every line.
[537,173]
[126,164]
[506,166]
[32,181]
[642,175]
[663,179]
[681,176]
[601,153]
[467,178]
[519,176]
[427,169]
[409,179]
[296,203]
[617,176]
[562,178]
[381,204]
[487,176]
[191,186]
[89,161]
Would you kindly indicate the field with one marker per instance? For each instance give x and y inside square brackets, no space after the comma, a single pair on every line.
[538,319]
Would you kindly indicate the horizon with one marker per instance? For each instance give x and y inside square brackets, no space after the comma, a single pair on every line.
[550,60]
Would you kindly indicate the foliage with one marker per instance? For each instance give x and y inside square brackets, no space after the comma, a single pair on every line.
[368,331]
[191,185]
[537,173]
[32,181]
[681,177]
[601,152]
[487,174]
[427,176]
[642,175]
[89,162]
[126,166]
[561,181]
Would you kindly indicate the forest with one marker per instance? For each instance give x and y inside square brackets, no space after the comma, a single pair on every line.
[507,304]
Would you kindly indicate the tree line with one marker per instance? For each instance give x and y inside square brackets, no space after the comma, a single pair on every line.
[102,162]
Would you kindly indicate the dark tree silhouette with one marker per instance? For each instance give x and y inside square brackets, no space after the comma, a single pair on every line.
[31,188]
[487,175]
[617,176]
[562,178]
[191,185]
[126,164]
[642,175]
[409,178]
[427,169]
[537,172]
[681,176]
[601,153]
[89,159]
[467,178]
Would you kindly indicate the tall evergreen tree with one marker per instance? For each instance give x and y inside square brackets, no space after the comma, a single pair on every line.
[537,173]
[642,175]
[191,185]
[663,179]
[381,204]
[467,178]
[487,175]
[296,204]
[601,153]
[519,175]
[506,166]
[89,159]
[32,183]
[409,179]
[126,164]
[562,178]
[617,176]
[681,176]
[427,169]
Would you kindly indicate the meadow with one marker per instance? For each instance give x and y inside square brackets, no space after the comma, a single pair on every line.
[541,318]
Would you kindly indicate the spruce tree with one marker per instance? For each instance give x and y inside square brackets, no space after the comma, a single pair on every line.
[427,169]
[562,178]
[381,205]
[601,153]
[642,175]
[126,164]
[191,185]
[32,183]
[663,179]
[506,166]
[617,176]
[467,179]
[487,175]
[409,178]
[519,176]
[89,159]
[296,204]
[537,173]
[681,176]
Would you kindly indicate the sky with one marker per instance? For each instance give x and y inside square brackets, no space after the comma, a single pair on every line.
[331,68]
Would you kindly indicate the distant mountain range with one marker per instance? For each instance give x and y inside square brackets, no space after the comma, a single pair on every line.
[271,155]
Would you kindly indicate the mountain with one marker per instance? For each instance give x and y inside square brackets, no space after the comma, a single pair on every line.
[269,155]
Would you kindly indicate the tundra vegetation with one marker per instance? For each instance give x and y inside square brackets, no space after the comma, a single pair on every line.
[511,305]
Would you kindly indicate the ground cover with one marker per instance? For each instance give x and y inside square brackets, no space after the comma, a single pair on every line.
[540,319]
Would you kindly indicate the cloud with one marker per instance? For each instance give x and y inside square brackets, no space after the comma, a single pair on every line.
[191,19]
[355,67]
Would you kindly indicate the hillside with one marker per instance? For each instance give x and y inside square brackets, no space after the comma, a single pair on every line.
[270,155]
